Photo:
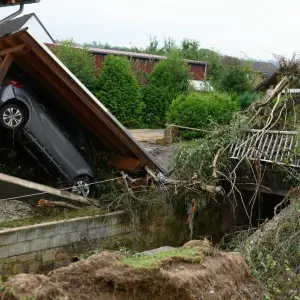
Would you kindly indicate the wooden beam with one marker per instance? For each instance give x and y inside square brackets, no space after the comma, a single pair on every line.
[5,65]
[125,163]
[17,50]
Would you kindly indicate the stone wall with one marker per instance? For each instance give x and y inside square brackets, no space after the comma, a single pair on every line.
[43,247]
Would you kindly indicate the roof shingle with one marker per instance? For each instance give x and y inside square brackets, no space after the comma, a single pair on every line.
[14,25]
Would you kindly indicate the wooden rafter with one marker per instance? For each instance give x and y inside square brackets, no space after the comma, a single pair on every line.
[125,163]
[5,65]
[17,50]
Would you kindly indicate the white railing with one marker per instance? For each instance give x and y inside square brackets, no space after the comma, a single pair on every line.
[269,146]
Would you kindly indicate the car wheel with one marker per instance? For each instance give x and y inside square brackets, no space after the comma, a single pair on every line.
[81,186]
[12,116]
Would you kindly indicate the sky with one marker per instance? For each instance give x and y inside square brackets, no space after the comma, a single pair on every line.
[245,29]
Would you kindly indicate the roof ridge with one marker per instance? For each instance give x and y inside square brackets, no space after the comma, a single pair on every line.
[136,54]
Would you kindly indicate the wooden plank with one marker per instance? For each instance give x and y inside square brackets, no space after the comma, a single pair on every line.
[125,163]
[4,66]
[17,50]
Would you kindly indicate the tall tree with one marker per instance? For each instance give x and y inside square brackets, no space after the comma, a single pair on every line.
[119,91]
[79,61]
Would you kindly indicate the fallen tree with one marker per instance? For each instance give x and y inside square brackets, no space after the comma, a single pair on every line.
[273,251]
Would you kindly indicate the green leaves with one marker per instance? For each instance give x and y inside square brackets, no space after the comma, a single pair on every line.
[234,80]
[79,61]
[202,111]
[169,79]
[118,90]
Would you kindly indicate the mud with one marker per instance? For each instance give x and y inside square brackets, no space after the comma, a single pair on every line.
[104,276]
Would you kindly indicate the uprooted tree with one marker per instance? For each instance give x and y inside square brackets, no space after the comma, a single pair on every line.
[208,159]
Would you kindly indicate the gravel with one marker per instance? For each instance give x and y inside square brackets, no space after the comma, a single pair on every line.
[13,210]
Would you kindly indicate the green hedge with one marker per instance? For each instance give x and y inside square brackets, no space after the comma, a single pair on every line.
[202,110]
[119,91]
[169,79]
[247,98]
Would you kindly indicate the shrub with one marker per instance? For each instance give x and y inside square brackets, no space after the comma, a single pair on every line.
[201,110]
[169,79]
[172,73]
[235,79]
[79,61]
[119,91]
[247,98]
[156,101]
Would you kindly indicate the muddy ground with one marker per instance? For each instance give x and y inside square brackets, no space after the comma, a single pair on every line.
[217,276]
[161,154]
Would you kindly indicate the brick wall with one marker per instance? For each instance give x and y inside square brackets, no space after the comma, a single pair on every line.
[42,247]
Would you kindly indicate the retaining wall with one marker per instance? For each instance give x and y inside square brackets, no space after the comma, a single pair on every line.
[43,247]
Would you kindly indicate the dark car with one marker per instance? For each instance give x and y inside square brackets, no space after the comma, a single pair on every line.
[43,136]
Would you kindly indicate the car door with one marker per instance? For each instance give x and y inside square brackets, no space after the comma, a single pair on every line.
[51,137]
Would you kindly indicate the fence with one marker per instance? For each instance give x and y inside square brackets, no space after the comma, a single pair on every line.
[270,146]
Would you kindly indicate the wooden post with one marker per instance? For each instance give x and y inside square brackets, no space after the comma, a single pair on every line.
[5,65]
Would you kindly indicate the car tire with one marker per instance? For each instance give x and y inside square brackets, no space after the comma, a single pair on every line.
[82,186]
[12,116]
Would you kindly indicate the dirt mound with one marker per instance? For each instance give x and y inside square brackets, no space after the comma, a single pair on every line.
[203,245]
[106,276]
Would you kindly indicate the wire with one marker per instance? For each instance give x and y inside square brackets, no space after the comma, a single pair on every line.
[64,189]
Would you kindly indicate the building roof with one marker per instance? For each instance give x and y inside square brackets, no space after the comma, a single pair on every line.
[269,81]
[44,67]
[138,55]
[257,66]
[263,67]
[16,24]
[17,2]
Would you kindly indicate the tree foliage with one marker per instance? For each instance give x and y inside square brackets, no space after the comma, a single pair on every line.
[191,49]
[119,91]
[235,79]
[202,111]
[79,61]
[169,79]
[247,98]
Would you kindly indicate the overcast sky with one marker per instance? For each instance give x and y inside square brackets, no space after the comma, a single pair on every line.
[255,28]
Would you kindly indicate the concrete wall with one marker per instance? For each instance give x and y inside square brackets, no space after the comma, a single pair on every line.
[43,247]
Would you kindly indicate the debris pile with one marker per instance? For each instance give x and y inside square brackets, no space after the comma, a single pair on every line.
[207,274]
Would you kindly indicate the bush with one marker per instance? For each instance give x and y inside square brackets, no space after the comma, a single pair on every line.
[201,110]
[79,61]
[119,91]
[247,98]
[235,79]
[156,101]
[169,79]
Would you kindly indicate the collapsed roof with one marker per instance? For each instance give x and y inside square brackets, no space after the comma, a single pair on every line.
[42,65]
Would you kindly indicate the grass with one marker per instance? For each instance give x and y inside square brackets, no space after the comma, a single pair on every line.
[84,212]
[152,261]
